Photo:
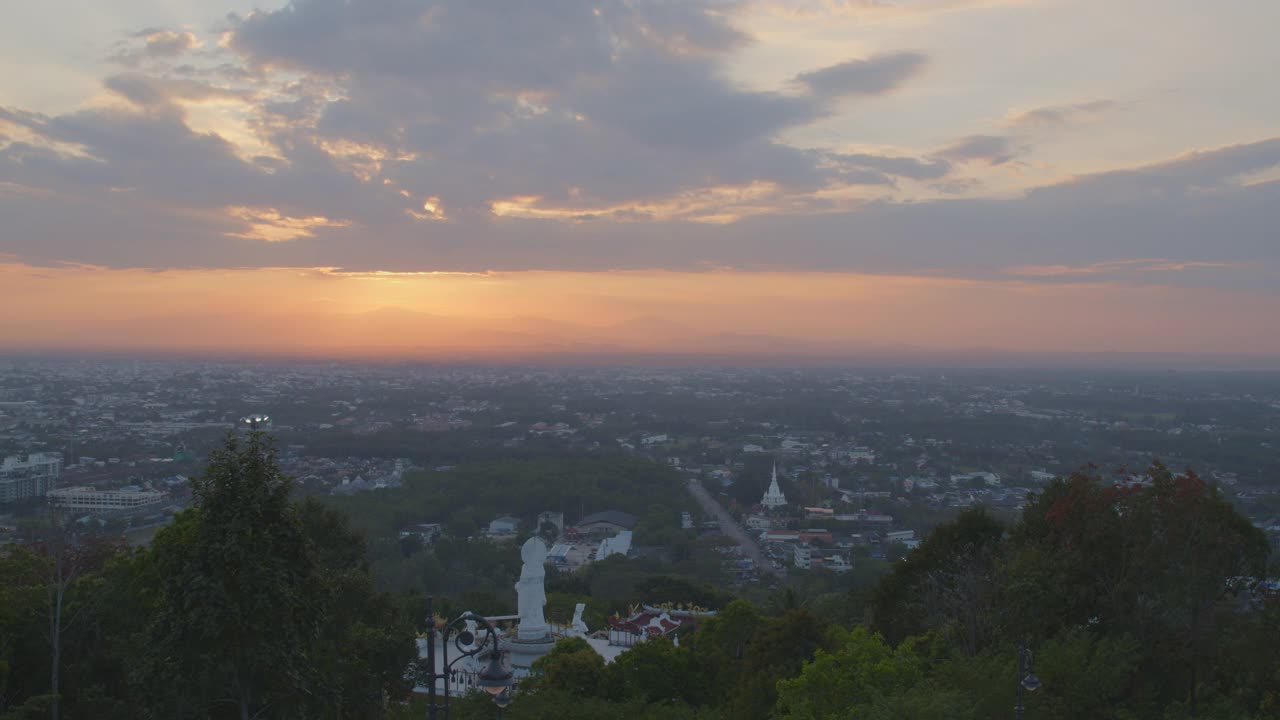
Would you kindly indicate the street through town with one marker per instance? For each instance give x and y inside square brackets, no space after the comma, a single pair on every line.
[734,531]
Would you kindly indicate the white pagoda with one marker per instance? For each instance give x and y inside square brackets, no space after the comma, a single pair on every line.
[773,497]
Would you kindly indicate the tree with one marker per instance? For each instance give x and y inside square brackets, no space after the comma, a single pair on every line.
[364,646]
[68,557]
[849,680]
[265,607]
[1086,674]
[778,650]
[656,671]
[721,644]
[239,592]
[572,666]
[21,600]
[1151,558]
[946,584]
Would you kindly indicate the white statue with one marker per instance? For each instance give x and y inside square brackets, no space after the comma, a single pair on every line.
[578,628]
[530,591]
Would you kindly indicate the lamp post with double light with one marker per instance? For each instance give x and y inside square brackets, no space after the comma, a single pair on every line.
[471,635]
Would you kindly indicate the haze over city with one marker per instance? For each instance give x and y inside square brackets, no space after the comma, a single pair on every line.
[741,179]
[645,359]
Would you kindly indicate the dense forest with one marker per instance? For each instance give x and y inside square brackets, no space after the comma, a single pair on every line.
[1134,601]
[464,498]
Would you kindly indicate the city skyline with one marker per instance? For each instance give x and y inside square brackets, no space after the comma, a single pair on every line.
[802,178]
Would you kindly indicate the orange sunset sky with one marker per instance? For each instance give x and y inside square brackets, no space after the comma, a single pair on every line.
[444,178]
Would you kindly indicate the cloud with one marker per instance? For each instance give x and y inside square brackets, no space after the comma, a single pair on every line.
[907,167]
[866,10]
[663,101]
[268,225]
[453,135]
[158,43]
[549,100]
[1057,116]
[991,149]
[1112,267]
[147,91]
[875,75]
[1187,177]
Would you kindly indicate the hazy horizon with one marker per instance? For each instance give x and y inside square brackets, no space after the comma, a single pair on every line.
[753,179]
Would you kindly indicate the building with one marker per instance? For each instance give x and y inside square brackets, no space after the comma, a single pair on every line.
[773,497]
[900,536]
[807,557]
[803,556]
[426,532]
[619,544]
[87,498]
[27,478]
[609,522]
[555,518]
[803,536]
[988,478]
[504,525]
[649,621]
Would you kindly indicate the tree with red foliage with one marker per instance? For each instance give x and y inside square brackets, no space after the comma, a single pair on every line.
[1151,556]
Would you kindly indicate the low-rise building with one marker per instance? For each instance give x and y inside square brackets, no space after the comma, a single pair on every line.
[426,532]
[900,536]
[92,500]
[619,544]
[609,522]
[504,525]
[803,557]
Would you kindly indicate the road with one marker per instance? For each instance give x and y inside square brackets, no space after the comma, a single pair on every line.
[733,530]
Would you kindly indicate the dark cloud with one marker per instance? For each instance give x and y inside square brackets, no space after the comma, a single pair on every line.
[599,104]
[991,149]
[449,42]
[875,75]
[1182,178]
[131,200]
[147,91]
[666,101]
[907,167]
[1056,116]
[624,122]
[552,99]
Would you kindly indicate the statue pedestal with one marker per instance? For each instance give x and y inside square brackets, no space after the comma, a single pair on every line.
[533,632]
[524,652]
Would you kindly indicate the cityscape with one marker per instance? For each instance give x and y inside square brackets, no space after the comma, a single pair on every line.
[639,359]
[654,494]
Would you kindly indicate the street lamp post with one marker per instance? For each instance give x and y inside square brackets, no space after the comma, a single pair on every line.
[494,679]
[1027,679]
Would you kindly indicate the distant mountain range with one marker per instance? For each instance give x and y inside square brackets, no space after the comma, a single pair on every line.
[395,334]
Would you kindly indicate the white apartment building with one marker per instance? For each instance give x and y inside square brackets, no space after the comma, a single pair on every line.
[803,556]
[30,477]
[87,498]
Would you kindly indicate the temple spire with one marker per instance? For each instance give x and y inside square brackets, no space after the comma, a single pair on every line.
[773,497]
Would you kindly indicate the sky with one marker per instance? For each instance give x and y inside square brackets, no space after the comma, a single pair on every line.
[453,178]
